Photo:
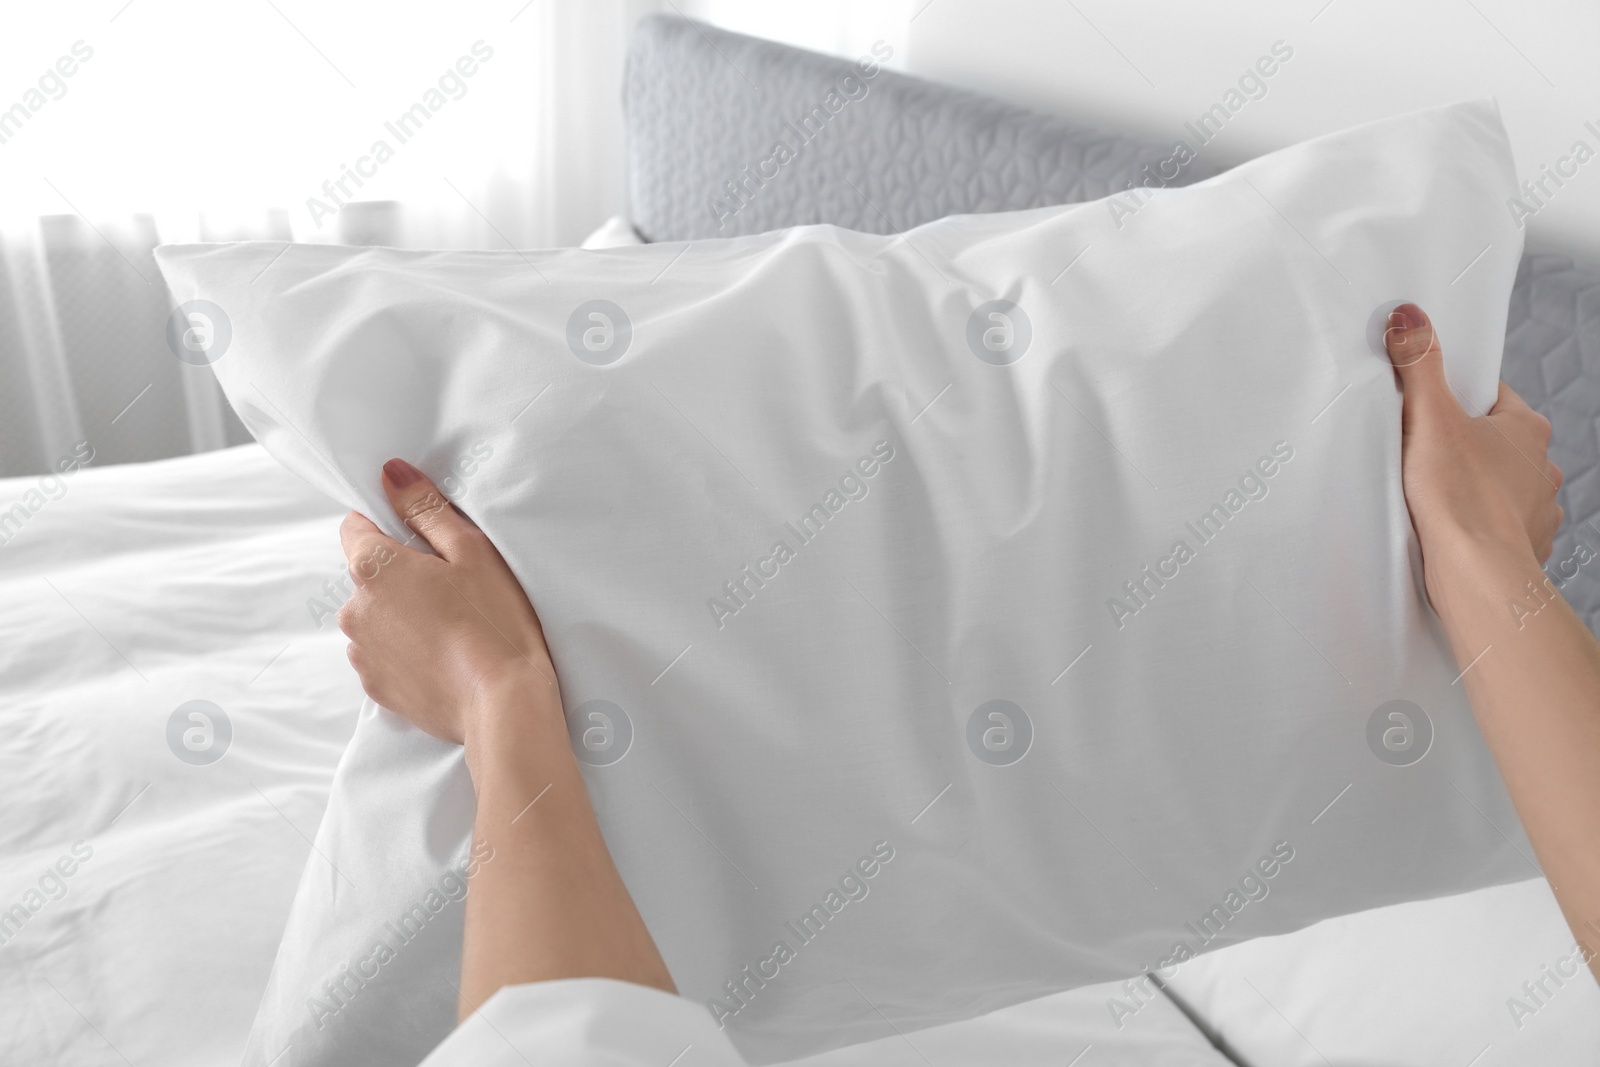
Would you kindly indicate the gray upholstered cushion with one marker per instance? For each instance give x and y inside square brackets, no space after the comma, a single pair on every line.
[702,104]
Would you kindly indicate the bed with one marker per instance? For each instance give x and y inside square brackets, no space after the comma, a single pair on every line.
[177,695]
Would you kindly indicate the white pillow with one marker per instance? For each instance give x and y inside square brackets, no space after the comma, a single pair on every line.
[615,232]
[1413,985]
[839,541]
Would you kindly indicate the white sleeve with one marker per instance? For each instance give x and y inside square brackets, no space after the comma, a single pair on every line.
[586,1022]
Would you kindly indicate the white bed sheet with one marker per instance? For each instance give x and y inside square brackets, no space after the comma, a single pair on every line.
[147,585]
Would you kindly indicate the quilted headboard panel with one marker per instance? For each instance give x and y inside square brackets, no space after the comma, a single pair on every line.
[702,104]
[707,109]
[1552,358]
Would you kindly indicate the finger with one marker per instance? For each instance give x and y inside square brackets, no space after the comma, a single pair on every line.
[1508,404]
[366,548]
[1520,423]
[1413,347]
[351,615]
[369,679]
[422,507]
[1540,426]
[1546,544]
[1507,401]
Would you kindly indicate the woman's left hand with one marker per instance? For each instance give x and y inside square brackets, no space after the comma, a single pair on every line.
[430,635]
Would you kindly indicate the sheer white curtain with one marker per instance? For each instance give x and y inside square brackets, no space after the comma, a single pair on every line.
[474,124]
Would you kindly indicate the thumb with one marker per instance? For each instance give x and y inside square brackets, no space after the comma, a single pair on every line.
[1413,346]
[422,507]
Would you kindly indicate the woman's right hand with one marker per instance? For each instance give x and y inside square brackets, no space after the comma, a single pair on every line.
[1480,489]
[436,637]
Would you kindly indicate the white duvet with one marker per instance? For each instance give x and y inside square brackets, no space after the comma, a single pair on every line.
[129,592]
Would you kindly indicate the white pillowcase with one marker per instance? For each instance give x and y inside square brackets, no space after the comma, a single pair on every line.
[615,232]
[859,560]
[1412,985]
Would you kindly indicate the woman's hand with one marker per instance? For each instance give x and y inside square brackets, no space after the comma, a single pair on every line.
[451,642]
[433,636]
[1482,495]
[1478,488]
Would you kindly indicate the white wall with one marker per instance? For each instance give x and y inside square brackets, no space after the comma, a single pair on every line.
[842,27]
[1151,65]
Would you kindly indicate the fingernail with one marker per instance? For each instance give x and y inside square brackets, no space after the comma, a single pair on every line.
[1406,317]
[401,473]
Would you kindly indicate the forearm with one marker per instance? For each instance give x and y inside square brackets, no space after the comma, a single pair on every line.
[1534,685]
[549,903]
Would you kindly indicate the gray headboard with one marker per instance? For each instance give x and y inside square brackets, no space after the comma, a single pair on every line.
[706,110]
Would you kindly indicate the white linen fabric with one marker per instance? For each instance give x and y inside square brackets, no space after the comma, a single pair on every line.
[615,232]
[146,872]
[585,1022]
[881,574]
[593,1022]
[1494,974]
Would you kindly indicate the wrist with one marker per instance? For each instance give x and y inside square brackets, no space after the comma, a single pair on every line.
[1466,575]
[513,722]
